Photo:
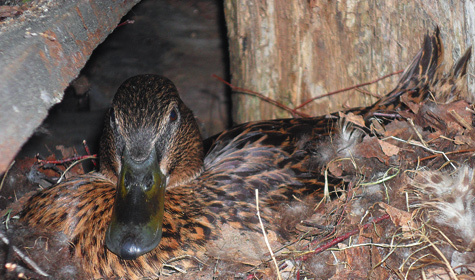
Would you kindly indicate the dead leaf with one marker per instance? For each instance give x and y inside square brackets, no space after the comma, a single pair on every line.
[350,117]
[398,129]
[389,149]
[370,148]
[335,168]
[400,218]
[413,106]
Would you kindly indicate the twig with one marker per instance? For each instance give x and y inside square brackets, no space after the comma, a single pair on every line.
[382,245]
[415,143]
[63,161]
[446,262]
[460,120]
[414,262]
[129,21]
[387,115]
[346,89]
[265,236]
[367,92]
[393,249]
[448,153]
[25,258]
[71,166]
[413,253]
[411,122]
[88,152]
[265,98]
[5,174]
[384,178]
[344,237]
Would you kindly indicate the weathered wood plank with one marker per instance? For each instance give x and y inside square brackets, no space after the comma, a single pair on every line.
[40,55]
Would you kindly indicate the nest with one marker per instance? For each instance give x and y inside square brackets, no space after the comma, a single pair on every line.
[404,209]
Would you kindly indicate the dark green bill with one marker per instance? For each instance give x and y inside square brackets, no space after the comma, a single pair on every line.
[137,218]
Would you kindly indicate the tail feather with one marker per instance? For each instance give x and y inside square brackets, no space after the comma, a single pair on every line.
[453,85]
[424,76]
[417,77]
[425,65]
[460,68]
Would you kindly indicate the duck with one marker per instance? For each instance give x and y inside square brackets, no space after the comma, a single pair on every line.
[163,192]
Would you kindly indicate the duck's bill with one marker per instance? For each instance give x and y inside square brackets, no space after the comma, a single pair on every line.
[137,218]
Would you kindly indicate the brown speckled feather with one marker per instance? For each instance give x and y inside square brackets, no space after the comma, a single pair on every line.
[277,157]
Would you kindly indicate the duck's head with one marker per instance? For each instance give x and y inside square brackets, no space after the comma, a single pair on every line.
[150,142]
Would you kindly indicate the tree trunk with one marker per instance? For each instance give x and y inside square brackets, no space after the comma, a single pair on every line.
[292,51]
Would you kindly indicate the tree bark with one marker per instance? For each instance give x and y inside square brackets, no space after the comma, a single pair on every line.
[292,51]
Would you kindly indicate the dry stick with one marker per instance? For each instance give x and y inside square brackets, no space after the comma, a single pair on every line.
[88,152]
[415,143]
[346,89]
[265,98]
[129,21]
[265,236]
[344,237]
[448,153]
[70,167]
[368,93]
[411,122]
[446,262]
[25,258]
[460,120]
[294,111]
[62,161]
[6,173]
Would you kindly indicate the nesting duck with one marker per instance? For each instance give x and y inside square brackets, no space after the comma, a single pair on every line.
[160,195]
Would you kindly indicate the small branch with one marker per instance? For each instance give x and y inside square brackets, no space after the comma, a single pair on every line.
[129,21]
[88,152]
[411,122]
[6,173]
[387,115]
[448,153]
[415,143]
[265,236]
[460,120]
[25,258]
[367,93]
[445,261]
[348,88]
[63,161]
[344,237]
[70,167]
[265,98]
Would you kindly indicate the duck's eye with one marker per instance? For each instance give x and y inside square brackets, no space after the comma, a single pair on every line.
[173,115]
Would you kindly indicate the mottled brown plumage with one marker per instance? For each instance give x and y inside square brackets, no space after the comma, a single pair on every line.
[280,158]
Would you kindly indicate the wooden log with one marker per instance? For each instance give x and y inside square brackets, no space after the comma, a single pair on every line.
[292,51]
[41,51]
